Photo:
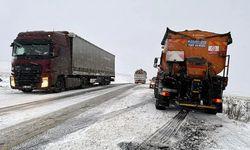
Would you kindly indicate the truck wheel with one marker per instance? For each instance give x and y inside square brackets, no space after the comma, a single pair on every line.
[155,92]
[59,86]
[102,82]
[158,106]
[27,90]
[83,83]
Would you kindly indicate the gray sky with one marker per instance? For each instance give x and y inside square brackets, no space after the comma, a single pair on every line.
[133,29]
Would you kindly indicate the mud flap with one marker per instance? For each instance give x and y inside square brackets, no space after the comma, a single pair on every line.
[163,101]
[219,107]
[159,106]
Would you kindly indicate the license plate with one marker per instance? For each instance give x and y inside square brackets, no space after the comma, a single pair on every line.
[26,87]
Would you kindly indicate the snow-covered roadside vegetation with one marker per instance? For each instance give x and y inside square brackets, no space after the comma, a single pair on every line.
[237,108]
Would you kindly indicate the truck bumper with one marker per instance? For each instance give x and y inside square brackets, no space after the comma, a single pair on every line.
[198,106]
[217,107]
[43,84]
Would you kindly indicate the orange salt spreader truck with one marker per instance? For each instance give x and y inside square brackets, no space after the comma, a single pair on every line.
[189,68]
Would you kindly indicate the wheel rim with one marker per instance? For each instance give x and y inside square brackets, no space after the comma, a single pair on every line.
[59,86]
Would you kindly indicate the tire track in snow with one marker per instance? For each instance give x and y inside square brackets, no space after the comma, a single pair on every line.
[78,124]
[160,138]
[19,133]
[37,103]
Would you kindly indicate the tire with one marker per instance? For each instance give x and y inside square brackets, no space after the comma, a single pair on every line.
[59,86]
[158,106]
[83,83]
[155,92]
[27,90]
[102,82]
[156,89]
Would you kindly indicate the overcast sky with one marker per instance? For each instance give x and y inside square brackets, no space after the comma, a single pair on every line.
[133,29]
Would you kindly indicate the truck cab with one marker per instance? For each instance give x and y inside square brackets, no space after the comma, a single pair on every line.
[38,60]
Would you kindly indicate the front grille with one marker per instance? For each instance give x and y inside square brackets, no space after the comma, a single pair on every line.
[28,75]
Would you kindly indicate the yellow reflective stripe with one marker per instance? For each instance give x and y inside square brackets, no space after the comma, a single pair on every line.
[203,106]
[177,41]
[197,80]
[217,43]
[192,105]
[200,106]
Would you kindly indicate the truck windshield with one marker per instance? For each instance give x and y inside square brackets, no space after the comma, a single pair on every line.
[32,49]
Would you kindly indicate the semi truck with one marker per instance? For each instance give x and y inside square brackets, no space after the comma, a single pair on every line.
[193,70]
[58,60]
[140,76]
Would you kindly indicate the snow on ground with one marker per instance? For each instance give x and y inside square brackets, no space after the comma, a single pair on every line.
[230,134]
[202,131]
[51,106]
[134,125]
[5,75]
[122,78]
[237,108]
[212,132]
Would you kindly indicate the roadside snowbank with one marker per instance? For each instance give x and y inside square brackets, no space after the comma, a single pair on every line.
[237,108]
[122,78]
[5,75]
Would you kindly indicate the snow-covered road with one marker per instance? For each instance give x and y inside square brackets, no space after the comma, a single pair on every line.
[18,106]
[199,130]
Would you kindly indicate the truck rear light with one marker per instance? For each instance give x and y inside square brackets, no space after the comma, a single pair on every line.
[165,93]
[217,100]
[45,82]
[12,81]
[225,82]
[136,81]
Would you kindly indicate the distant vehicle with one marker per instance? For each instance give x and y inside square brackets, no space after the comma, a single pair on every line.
[58,60]
[140,76]
[189,68]
[152,82]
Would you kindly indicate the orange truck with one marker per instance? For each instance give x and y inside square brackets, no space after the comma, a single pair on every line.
[193,70]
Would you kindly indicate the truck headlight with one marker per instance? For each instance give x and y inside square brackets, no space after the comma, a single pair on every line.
[12,81]
[45,82]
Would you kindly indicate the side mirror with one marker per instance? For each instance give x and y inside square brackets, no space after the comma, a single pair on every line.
[56,51]
[155,62]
